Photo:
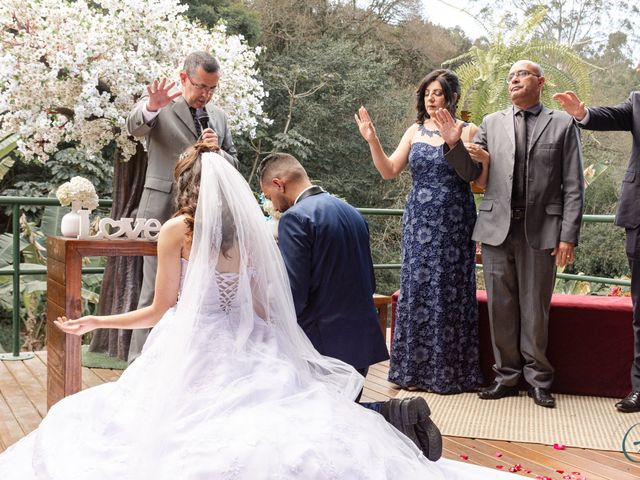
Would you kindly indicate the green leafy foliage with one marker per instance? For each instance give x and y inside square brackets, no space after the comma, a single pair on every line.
[239,19]
[483,69]
[601,251]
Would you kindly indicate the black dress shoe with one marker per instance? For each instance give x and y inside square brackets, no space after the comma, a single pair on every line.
[542,397]
[411,417]
[497,390]
[630,403]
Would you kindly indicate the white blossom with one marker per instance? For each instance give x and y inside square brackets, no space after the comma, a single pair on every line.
[78,191]
[72,70]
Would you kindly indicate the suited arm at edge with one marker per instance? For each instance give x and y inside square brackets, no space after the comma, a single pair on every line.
[572,186]
[136,126]
[617,118]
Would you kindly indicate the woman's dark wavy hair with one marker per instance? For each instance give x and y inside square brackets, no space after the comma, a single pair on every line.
[450,86]
[187,174]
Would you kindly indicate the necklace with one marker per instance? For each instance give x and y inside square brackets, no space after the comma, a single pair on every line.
[429,133]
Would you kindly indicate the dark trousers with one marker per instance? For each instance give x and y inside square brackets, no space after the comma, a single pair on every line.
[632,247]
[375,406]
[363,372]
[519,281]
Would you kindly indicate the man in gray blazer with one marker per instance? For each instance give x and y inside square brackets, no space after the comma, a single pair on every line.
[528,223]
[623,117]
[171,122]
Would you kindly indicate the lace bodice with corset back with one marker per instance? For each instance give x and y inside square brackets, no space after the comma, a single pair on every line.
[224,289]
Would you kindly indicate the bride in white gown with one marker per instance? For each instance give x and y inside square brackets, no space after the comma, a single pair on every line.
[227,386]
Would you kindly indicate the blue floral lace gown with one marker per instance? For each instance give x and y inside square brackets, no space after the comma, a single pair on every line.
[435,341]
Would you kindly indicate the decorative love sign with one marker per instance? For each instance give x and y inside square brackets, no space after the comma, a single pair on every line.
[109,228]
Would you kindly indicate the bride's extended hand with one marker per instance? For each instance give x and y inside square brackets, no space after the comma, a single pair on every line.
[365,125]
[77,327]
[450,130]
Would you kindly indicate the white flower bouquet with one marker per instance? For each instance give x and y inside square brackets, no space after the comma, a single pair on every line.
[269,209]
[273,215]
[79,193]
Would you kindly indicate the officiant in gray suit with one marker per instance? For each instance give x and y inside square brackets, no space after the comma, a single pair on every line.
[626,118]
[528,223]
[171,122]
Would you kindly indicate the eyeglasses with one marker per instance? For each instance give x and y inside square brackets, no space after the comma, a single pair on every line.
[202,88]
[520,74]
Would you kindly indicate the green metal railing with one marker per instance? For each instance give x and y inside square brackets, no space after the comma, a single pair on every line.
[16,271]
[564,276]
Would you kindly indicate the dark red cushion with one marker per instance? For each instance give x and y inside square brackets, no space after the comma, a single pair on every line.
[590,343]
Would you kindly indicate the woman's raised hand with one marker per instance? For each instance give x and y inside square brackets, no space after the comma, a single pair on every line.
[478,154]
[77,327]
[450,130]
[365,125]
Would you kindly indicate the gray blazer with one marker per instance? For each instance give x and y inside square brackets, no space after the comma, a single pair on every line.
[167,136]
[555,183]
[625,117]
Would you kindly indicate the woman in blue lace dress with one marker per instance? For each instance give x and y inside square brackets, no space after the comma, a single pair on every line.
[435,341]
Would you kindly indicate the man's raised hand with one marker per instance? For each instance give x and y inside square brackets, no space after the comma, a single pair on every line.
[159,96]
[571,104]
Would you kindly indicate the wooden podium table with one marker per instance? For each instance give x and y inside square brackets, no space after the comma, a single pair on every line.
[64,282]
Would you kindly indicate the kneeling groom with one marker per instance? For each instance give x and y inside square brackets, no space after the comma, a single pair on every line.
[325,246]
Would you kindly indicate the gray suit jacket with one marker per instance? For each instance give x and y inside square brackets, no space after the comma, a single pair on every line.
[555,183]
[167,136]
[626,117]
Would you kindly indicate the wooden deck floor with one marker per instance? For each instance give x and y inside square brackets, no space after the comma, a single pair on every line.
[23,404]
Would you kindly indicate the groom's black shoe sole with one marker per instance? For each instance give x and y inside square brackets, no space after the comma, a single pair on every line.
[412,417]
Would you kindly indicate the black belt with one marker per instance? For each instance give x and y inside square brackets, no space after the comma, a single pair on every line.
[517,213]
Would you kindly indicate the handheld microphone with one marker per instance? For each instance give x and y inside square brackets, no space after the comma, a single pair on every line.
[203,118]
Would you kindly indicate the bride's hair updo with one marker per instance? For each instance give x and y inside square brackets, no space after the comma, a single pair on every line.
[187,174]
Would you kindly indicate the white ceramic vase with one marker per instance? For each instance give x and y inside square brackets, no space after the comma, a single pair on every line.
[70,224]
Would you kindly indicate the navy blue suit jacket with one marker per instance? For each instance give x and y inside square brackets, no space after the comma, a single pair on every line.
[325,245]
[625,117]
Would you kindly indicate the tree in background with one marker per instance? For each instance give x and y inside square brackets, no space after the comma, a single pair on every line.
[236,16]
[483,69]
[63,80]
[582,24]
[70,73]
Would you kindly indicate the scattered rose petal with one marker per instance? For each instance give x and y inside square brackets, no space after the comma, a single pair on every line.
[559,446]
[512,469]
[560,471]
[498,454]
[499,467]
[464,457]
[575,473]
[527,471]
[518,467]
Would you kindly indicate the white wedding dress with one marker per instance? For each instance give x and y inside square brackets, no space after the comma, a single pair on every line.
[222,393]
